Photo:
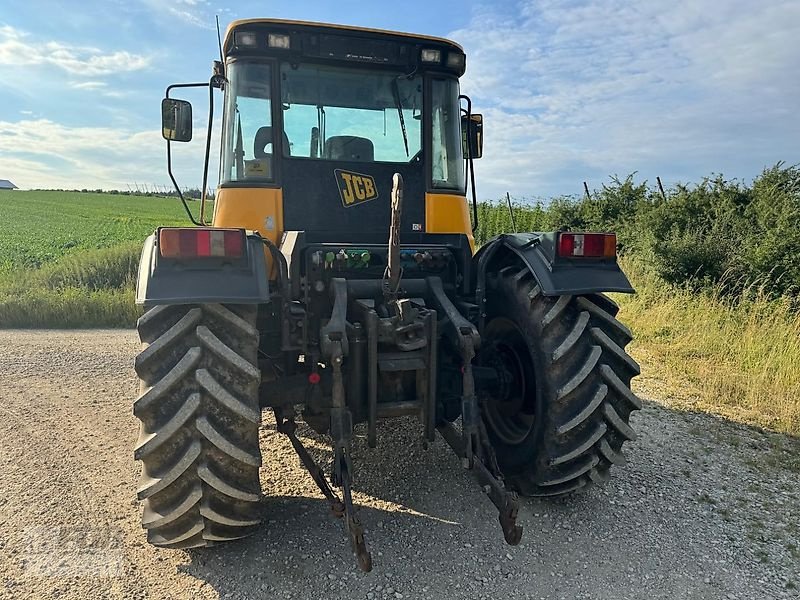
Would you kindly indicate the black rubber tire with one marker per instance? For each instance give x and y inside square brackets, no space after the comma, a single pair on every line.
[579,402]
[199,413]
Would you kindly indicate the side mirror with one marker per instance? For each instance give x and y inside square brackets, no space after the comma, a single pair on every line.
[472,135]
[176,120]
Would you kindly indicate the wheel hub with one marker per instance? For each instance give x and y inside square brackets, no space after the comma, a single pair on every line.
[509,404]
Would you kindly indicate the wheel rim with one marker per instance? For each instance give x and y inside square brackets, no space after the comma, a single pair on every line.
[509,408]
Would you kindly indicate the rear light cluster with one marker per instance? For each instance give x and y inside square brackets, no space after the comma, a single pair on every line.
[587,245]
[200,242]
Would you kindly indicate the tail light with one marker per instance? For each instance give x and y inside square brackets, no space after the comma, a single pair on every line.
[587,245]
[199,242]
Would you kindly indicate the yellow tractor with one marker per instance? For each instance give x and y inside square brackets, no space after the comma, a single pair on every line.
[338,282]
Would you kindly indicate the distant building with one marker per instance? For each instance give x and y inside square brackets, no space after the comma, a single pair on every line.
[5,184]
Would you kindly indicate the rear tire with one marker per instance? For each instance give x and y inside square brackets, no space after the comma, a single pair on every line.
[559,417]
[199,413]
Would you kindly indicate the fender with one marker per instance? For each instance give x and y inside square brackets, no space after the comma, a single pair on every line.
[202,280]
[556,276]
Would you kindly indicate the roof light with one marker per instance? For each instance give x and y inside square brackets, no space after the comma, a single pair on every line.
[456,60]
[197,242]
[278,40]
[431,56]
[245,38]
[587,245]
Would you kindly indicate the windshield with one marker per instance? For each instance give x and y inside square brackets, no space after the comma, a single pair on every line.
[350,114]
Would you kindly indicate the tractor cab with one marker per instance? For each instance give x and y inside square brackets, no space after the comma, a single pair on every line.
[318,118]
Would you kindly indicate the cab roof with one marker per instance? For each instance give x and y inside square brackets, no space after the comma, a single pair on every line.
[239,24]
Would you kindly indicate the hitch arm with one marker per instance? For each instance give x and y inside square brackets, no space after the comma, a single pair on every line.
[472,444]
[506,502]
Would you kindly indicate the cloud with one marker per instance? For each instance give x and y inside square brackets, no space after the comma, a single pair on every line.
[578,90]
[101,88]
[87,85]
[191,12]
[40,153]
[17,49]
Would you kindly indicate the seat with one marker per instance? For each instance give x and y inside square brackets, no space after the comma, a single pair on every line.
[264,138]
[349,147]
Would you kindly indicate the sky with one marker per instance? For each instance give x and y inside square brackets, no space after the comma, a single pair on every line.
[571,90]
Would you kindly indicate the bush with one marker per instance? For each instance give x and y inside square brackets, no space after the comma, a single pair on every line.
[716,233]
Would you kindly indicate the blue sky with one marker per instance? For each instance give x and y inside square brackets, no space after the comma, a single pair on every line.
[572,90]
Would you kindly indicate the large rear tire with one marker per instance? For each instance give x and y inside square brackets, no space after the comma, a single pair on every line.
[198,440]
[559,417]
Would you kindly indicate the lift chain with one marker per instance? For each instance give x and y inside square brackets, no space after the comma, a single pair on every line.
[354,527]
[339,508]
[288,428]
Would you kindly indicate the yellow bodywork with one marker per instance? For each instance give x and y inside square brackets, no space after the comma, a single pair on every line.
[448,213]
[261,209]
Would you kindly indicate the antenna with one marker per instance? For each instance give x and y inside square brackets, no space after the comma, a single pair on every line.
[219,40]
[586,189]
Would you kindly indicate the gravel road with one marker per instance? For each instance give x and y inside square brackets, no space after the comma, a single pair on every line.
[705,508]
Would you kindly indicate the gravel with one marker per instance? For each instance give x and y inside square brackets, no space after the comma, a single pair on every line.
[705,509]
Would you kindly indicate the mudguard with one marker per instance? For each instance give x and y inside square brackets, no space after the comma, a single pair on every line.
[556,276]
[202,280]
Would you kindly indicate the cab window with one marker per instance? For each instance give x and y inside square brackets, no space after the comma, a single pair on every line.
[248,147]
[447,161]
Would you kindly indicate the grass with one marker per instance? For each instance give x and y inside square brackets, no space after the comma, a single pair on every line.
[739,358]
[38,227]
[69,259]
[93,288]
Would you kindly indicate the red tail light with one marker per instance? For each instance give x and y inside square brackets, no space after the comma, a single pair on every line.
[587,245]
[199,242]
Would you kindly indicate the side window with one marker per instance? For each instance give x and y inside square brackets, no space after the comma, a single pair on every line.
[249,141]
[447,162]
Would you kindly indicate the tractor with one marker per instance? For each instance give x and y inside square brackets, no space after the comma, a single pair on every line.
[337,282]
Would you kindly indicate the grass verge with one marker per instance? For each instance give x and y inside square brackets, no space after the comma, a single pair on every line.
[93,288]
[739,358]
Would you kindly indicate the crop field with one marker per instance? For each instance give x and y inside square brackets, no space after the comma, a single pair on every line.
[38,227]
[68,259]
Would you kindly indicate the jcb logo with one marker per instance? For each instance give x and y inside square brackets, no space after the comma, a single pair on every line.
[355,188]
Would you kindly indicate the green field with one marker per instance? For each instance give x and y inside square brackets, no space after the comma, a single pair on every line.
[39,227]
[68,259]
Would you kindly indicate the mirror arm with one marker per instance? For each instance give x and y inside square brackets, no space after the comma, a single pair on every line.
[169,158]
[470,164]
[217,80]
[177,188]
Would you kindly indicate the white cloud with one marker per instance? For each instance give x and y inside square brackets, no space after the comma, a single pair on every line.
[582,89]
[17,49]
[192,12]
[88,85]
[39,153]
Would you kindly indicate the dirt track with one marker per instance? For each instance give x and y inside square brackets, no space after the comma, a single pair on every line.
[705,508]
